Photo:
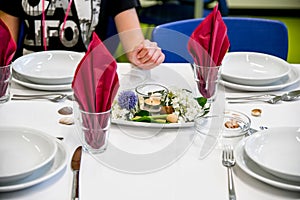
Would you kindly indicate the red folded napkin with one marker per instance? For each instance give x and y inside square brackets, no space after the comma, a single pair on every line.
[209,42]
[8,48]
[96,82]
[208,45]
[95,86]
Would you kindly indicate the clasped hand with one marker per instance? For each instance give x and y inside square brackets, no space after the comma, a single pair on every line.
[146,55]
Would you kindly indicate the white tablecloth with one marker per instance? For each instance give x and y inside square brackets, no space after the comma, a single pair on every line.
[183,176]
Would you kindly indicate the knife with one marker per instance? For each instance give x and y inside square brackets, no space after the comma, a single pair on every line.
[75,165]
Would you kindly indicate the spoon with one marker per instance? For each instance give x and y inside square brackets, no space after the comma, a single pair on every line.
[290,96]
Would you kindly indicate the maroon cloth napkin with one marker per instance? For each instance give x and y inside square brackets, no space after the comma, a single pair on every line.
[96,82]
[209,42]
[208,45]
[8,48]
[95,86]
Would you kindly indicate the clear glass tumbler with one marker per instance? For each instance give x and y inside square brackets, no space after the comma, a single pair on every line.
[5,77]
[207,79]
[93,129]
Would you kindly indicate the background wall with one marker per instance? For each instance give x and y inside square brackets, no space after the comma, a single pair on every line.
[287,11]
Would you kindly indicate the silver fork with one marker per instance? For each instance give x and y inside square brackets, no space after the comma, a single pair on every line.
[272,100]
[252,96]
[52,98]
[228,161]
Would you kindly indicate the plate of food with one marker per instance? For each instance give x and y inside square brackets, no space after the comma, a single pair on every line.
[157,106]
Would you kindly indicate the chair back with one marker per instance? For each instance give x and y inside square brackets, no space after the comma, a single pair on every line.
[245,34]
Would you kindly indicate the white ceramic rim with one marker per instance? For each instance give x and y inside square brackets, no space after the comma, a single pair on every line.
[243,162]
[253,143]
[268,78]
[292,78]
[46,78]
[33,132]
[59,163]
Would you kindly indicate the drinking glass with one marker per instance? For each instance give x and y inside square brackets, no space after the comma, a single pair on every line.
[93,129]
[207,79]
[5,77]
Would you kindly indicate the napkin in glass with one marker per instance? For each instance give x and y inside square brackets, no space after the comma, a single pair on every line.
[209,42]
[8,48]
[96,82]
[95,86]
[208,45]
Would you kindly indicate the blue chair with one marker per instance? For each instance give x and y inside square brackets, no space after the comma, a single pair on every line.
[174,10]
[245,34]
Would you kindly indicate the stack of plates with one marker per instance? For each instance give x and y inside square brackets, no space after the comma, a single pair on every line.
[272,156]
[28,157]
[46,70]
[251,71]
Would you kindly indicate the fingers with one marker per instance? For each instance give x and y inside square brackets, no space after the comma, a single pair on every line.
[148,55]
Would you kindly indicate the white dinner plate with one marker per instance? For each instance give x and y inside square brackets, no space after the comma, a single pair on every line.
[292,78]
[48,67]
[23,151]
[22,81]
[254,170]
[151,125]
[277,151]
[251,68]
[43,174]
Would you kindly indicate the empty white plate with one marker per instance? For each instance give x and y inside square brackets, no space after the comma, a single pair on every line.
[22,151]
[255,171]
[277,150]
[48,67]
[38,176]
[251,68]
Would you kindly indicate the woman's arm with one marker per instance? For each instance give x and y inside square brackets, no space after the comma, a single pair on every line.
[140,52]
[12,23]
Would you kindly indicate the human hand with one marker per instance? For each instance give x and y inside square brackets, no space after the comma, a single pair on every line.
[146,55]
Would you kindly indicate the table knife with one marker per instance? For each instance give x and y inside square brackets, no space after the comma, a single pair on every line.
[75,165]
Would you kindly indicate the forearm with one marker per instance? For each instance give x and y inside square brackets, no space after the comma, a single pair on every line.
[12,23]
[140,52]
[129,30]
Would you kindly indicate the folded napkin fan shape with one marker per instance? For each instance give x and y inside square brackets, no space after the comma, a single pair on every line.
[209,42]
[95,86]
[96,82]
[8,48]
[208,45]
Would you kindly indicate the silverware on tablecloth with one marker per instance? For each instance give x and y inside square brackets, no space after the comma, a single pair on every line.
[228,161]
[252,130]
[290,96]
[272,100]
[54,97]
[75,165]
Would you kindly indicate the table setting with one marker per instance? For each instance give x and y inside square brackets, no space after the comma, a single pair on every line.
[103,129]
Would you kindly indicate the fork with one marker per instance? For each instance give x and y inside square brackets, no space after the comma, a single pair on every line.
[272,100]
[228,161]
[252,96]
[54,99]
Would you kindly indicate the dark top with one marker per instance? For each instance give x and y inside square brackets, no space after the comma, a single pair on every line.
[76,31]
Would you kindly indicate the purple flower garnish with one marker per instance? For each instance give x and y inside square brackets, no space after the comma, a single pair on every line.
[127,100]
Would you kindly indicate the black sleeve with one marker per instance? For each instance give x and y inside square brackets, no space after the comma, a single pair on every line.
[12,7]
[117,6]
